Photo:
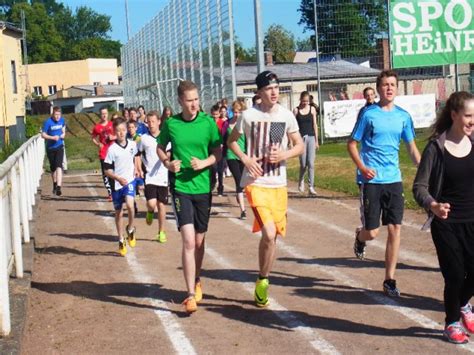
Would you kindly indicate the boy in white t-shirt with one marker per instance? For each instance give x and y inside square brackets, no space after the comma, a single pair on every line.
[121,165]
[268,128]
[156,177]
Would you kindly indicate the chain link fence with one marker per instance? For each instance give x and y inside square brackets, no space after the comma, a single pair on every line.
[187,40]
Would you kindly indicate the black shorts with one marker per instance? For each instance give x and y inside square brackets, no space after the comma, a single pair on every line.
[158,192]
[192,209]
[55,157]
[381,199]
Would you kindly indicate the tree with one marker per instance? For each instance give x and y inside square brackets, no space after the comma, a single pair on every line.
[43,39]
[346,27]
[281,42]
[244,55]
[305,44]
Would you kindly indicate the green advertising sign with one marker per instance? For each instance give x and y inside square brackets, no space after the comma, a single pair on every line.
[427,33]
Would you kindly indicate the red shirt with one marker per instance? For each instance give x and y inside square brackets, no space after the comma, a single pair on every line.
[103,132]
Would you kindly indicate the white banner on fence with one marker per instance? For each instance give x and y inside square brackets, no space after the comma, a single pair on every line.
[340,116]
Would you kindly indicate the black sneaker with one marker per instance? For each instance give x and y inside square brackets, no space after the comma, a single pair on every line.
[243,215]
[390,288]
[359,247]
[58,191]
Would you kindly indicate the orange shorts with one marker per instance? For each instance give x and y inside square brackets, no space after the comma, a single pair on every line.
[269,205]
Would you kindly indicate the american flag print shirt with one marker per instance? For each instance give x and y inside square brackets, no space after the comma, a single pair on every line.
[264,131]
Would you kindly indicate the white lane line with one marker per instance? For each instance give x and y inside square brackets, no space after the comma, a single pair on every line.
[334,273]
[403,254]
[315,339]
[173,330]
[405,222]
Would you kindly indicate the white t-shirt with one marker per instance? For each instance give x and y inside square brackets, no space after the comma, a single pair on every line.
[122,158]
[156,173]
[263,130]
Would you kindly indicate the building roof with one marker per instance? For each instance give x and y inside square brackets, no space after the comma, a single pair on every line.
[10,26]
[108,89]
[286,72]
[82,91]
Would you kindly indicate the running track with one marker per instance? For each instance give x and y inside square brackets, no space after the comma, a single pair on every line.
[86,299]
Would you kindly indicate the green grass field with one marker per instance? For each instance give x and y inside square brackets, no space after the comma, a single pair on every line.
[80,151]
[334,169]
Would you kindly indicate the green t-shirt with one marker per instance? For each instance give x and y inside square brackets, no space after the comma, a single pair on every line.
[189,139]
[241,143]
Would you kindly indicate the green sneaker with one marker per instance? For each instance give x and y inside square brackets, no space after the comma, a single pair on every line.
[261,292]
[149,218]
[161,237]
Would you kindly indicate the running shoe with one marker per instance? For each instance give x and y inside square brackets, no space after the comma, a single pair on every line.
[123,248]
[198,291]
[455,333]
[220,191]
[190,304]
[359,247]
[301,187]
[161,237]
[261,292]
[390,288]
[58,191]
[467,318]
[312,191]
[243,215]
[149,218]
[132,241]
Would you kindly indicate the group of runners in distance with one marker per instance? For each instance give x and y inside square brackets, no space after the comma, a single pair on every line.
[184,155]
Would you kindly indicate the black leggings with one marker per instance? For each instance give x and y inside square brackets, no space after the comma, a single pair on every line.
[454,244]
[105,178]
[236,168]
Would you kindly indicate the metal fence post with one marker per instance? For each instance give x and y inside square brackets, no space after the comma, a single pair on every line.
[24,202]
[5,325]
[15,221]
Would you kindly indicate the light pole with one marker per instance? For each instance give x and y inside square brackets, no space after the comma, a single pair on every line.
[259,37]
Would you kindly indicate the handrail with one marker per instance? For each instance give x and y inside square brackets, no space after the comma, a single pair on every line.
[20,177]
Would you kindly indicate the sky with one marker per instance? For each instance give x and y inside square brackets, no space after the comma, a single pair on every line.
[283,12]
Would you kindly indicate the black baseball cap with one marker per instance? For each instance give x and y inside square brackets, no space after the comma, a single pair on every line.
[265,78]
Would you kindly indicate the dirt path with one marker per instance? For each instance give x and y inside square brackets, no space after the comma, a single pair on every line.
[87,299]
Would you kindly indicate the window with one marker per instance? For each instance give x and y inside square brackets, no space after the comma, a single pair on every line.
[96,83]
[285,89]
[14,83]
[52,89]
[110,83]
[38,90]
[312,87]
[250,91]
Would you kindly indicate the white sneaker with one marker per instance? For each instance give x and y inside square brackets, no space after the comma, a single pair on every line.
[312,191]
[301,187]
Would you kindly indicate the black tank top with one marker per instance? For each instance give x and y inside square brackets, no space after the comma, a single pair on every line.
[305,122]
[458,187]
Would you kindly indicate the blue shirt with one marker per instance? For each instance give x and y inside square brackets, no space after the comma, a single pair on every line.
[141,129]
[380,132]
[53,128]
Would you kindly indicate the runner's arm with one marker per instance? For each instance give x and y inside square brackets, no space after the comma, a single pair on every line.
[413,152]
[354,154]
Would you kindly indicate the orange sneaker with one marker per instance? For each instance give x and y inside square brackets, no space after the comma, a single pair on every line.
[198,291]
[190,304]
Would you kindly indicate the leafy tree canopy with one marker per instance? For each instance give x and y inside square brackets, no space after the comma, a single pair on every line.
[346,27]
[55,32]
[281,42]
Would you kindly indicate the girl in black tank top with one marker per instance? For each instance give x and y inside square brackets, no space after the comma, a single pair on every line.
[445,184]
[309,132]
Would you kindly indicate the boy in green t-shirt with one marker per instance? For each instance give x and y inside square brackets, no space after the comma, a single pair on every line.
[192,135]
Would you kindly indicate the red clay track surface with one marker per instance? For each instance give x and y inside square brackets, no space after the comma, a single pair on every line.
[85,298]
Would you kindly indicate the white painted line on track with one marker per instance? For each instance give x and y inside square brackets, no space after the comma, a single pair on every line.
[315,339]
[403,254]
[173,330]
[390,303]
